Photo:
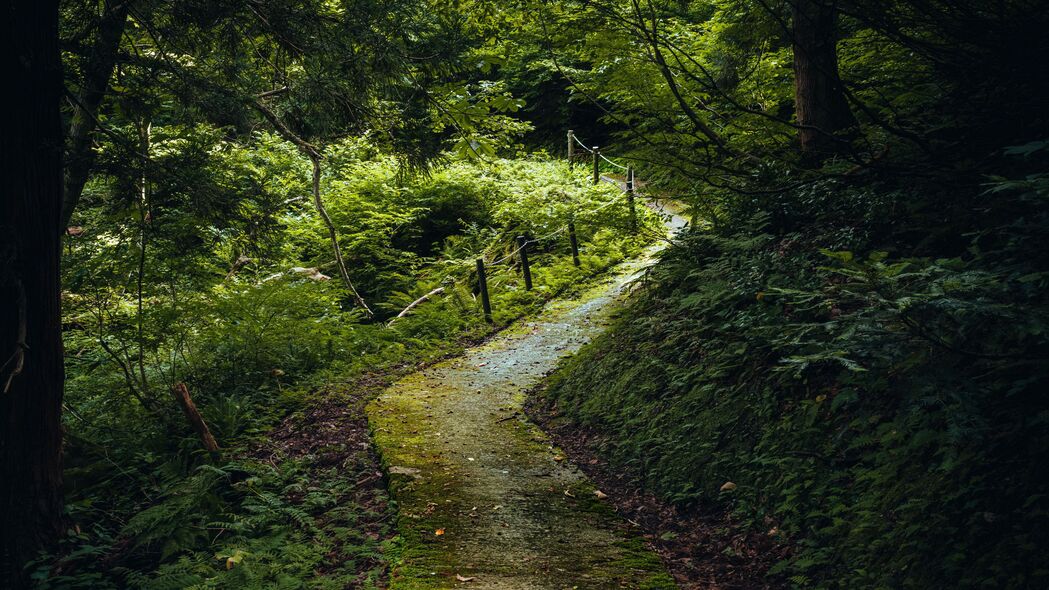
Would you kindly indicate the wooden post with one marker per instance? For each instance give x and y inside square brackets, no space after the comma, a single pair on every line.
[522,245]
[630,198]
[597,172]
[482,284]
[575,243]
[181,393]
[571,146]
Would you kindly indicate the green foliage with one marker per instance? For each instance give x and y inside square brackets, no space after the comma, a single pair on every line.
[237,304]
[883,414]
[241,525]
[859,344]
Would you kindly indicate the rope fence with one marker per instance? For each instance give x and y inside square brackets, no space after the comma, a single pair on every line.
[614,163]
[520,253]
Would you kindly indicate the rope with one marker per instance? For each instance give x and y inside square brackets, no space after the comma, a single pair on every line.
[560,229]
[532,241]
[613,163]
[508,256]
[603,157]
[581,144]
[608,204]
[551,234]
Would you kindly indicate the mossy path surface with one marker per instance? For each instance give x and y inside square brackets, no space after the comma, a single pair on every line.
[483,499]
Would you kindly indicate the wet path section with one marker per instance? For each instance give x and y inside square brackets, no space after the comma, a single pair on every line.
[484,500]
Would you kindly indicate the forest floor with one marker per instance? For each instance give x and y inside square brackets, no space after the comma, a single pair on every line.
[484,498]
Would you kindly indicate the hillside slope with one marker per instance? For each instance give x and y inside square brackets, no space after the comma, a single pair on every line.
[882,415]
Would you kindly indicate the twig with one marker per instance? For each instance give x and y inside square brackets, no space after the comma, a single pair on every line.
[413,304]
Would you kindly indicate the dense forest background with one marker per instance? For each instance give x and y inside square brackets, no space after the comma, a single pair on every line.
[852,330]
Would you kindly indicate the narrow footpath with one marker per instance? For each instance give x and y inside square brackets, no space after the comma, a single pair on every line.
[483,498]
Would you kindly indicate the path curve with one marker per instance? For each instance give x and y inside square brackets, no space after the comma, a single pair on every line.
[483,499]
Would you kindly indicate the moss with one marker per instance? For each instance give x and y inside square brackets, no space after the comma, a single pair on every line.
[480,491]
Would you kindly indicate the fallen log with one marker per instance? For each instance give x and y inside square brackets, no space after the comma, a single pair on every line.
[181,393]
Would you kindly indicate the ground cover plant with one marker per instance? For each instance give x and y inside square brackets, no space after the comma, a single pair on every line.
[228,225]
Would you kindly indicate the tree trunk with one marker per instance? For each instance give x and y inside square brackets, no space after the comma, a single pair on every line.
[80,155]
[819,98]
[31,374]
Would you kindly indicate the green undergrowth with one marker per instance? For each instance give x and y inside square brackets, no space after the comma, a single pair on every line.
[260,342]
[880,407]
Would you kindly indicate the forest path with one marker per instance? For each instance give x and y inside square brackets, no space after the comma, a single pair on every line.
[484,500]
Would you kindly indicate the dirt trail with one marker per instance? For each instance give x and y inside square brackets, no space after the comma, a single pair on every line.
[483,499]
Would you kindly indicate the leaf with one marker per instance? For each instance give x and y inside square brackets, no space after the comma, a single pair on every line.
[1026,149]
[843,256]
[234,559]
[438,532]
[464,578]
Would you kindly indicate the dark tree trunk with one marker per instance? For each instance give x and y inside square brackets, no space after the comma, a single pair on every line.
[80,156]
[823,113]
[30,320]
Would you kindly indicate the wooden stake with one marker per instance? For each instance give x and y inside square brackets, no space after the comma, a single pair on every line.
[574,242]
[630,198]
[571,146]
[522,245]
[482,284]
[597,171]
[181,393]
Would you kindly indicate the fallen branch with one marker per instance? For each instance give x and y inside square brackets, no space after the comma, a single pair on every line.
[181,393]
[240,263]
[415,303]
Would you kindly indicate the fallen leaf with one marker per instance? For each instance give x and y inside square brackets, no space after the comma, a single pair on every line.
[439,532]
[400,470]
[728,486]
[559,457]
[464,578]
[600,495]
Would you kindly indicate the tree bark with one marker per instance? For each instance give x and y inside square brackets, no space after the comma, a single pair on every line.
[825,121]
[80,154]
[31,375]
